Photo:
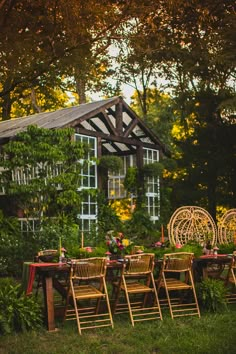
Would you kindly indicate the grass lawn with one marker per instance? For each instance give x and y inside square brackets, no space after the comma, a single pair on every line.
[212,333]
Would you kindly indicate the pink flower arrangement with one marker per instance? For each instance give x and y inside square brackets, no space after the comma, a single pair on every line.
[114,242]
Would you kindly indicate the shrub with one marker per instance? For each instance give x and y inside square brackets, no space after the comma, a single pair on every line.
[12,248]
[192,247]
[211,294]
[18,312]
[227,248]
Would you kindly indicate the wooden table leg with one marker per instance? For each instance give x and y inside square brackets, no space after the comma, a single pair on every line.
[49,303]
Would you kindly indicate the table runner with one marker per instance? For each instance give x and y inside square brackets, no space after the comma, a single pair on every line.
[213,256]
[31,273]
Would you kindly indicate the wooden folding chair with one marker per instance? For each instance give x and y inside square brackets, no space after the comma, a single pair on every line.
[230,280]
[176,278]
[86,290]
[137,283]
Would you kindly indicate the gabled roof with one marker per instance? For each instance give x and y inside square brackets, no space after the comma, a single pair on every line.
[120,130]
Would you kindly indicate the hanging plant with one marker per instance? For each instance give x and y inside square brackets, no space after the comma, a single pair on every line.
[111,163]
[131,180]
[154,169]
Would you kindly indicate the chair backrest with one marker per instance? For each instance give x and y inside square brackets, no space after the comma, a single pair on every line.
[88,268]
[191,223]
[227,227]
[139,263]
[177,262]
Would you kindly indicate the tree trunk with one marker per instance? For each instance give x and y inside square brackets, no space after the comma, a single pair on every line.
[34,101]
[80,86]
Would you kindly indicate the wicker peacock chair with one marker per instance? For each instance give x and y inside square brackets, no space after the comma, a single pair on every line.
[191,223]
[227,227]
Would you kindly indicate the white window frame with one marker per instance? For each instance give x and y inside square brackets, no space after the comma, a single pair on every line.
[153,196]
[89,218]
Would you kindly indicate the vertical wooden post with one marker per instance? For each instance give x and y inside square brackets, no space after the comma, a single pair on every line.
[119,118]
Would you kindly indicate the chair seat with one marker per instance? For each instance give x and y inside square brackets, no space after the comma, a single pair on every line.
[175,284]
[137,287]
[87,292]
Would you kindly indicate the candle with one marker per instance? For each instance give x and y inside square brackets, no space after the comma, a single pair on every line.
[82,240]
[162,234]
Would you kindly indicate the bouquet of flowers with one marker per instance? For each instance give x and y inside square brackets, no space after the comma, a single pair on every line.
[116,242]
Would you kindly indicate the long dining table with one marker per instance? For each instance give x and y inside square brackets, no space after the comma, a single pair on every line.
[50,274]
[213,266]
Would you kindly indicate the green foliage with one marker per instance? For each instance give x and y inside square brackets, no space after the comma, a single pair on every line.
[131,180]
[211,294]
[111,163]
[49,159]
[17,247]
[18,312]
[192,247]
[99,251]
[159,251]
[154,169]
[139,227]
[227,248]
[107,218]
[12,246]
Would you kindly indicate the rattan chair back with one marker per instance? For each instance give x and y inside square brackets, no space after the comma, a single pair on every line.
[177,262]
[88,268]
[139,264]
[191,223]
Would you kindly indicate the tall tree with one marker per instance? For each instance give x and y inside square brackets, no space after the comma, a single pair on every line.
[193,44]
[36,36]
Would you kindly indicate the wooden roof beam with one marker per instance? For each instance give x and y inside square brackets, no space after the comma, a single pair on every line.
[118,139]
[130,127]
[107,122]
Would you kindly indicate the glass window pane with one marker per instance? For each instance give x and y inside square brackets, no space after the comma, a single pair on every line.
[85,209]
[92,182]
[92,170]
[92,209]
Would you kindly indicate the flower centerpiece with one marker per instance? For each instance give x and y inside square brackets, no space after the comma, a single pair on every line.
[117,244]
